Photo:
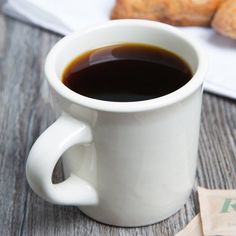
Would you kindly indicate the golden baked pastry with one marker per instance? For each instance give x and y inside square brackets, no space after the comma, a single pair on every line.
[175,12]
[225,19]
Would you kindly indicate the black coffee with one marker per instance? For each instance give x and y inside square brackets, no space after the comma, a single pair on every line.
[126,73]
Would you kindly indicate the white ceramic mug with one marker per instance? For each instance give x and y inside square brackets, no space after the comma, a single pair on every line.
[125,163]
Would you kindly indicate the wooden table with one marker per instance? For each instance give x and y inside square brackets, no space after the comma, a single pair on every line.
[25,113]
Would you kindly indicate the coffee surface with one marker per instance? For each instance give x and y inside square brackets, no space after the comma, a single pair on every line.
[126,73]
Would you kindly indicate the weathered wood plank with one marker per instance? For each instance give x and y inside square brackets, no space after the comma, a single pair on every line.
[21,116]
[24,114]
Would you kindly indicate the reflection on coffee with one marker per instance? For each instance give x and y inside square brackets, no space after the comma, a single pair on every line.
[126,73]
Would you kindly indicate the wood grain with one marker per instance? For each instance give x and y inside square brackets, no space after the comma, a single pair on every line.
[25,113]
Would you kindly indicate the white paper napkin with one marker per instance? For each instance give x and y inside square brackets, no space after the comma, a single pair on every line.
[221,51]
[65,16]
[61,16]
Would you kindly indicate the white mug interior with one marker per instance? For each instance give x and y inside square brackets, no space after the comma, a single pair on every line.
[125,31]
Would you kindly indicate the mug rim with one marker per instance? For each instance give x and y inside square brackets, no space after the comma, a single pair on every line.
[137,106]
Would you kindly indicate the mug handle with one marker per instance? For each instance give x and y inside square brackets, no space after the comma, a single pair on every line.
[46,151]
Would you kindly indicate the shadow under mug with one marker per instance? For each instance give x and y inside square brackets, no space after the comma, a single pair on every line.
[125,163]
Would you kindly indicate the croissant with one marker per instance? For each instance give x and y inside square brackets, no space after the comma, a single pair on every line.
[175,12]
[225,19]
